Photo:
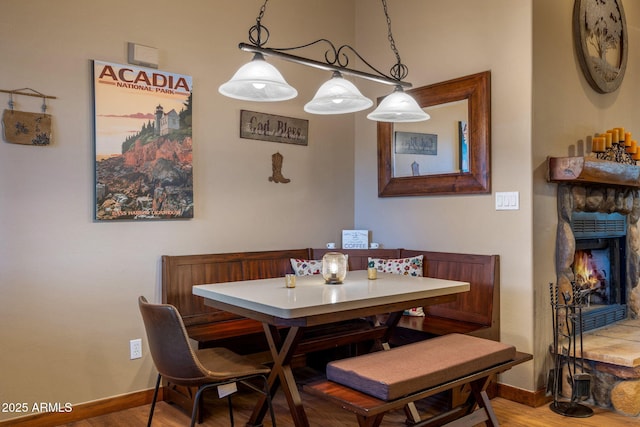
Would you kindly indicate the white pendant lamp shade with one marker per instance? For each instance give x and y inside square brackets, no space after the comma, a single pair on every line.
[258,81]
[337,96]
[398,107]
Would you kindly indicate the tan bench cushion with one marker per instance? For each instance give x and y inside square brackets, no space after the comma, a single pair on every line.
[391,374]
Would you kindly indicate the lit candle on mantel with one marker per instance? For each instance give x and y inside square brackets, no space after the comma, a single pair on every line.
[608,137]
[620,134]
[627,139]
[598,144]
[614,135]
[633,148]
[636,155]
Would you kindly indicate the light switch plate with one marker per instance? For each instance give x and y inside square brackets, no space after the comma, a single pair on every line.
[507,200]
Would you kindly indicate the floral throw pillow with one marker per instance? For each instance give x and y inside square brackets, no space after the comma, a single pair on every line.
[405,266]
[306,267]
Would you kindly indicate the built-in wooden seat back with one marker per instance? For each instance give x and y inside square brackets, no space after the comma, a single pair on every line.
[181,273]
[481,304]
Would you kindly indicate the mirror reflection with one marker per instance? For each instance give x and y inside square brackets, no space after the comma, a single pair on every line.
[439,145]
[448,154]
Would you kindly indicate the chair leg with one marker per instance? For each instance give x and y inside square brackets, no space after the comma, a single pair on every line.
[230,404]
[196,405]
[198,400]
[153,402]
[200,411]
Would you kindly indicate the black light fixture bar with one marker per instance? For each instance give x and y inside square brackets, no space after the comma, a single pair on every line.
[322,65]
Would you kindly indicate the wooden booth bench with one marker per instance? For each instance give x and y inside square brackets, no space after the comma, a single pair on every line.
[417,371]
[475,312]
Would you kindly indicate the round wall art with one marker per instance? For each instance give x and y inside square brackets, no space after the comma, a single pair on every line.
[600,35]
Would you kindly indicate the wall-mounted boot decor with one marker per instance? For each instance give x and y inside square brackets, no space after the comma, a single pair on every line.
[276,167]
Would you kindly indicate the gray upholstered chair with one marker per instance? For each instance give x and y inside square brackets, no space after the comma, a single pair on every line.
[179,364]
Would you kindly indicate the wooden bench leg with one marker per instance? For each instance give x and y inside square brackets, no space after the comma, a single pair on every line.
[479,390]
[410,410]
[478,397]
[374,421]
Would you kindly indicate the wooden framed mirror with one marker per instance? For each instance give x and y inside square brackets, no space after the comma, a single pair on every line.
[448,154]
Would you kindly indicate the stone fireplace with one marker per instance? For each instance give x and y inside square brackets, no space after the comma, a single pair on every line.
[598,249]
[598,212]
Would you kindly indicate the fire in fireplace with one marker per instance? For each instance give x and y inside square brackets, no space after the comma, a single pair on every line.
[593,275]
[599,266]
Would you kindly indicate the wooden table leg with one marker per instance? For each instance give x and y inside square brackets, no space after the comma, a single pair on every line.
[281,374]
[410,410]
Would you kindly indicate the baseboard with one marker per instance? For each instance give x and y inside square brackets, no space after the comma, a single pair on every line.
[132,400]
[530,398]
[84,410]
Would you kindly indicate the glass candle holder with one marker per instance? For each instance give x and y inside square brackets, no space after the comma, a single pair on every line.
[334,267]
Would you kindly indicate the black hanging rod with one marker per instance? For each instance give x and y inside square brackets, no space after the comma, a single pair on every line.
[324,65]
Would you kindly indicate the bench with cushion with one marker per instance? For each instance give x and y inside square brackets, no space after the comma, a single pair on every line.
[416,371]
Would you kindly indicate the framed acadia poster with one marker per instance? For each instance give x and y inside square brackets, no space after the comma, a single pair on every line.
[143,145]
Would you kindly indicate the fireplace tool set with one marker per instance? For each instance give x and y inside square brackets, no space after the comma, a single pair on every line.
[566,336]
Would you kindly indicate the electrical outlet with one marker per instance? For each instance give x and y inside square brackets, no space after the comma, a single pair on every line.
[135,348]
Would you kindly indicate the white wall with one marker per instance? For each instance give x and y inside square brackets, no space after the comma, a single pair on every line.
[440,41]
[69,284]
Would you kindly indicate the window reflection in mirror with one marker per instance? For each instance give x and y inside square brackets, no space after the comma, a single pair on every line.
[436,146]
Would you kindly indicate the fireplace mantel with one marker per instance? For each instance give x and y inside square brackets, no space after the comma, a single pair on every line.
[591,170]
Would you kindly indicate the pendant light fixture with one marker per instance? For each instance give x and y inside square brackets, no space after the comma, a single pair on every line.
[260,81]
[398,107]
[337,96]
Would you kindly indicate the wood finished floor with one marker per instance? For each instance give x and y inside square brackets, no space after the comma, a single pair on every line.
[321,414]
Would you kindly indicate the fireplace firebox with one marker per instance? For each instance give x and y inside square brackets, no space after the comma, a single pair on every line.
[599,266]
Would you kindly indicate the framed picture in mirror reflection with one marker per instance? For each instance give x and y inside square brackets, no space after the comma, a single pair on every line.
[409,149]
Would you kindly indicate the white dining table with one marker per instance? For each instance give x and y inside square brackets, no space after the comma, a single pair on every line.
[312,302]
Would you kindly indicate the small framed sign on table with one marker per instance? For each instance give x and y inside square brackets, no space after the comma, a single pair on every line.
[355,239]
